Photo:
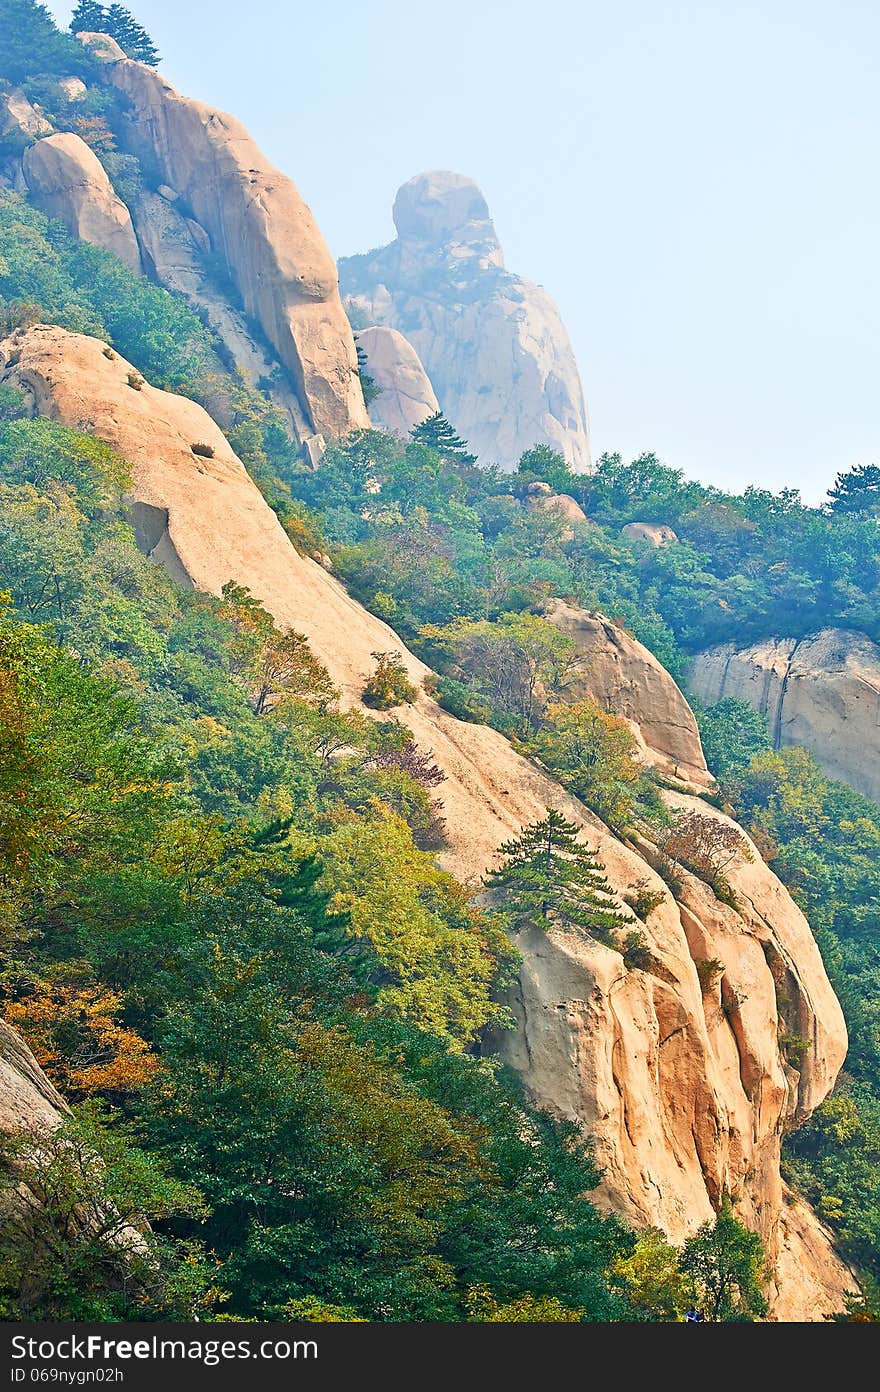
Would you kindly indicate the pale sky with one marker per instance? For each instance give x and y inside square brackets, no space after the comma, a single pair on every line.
[695,183]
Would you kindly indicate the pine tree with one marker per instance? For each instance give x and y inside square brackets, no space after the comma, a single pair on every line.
[89,18]
[120,24]
[549,879]
[857,491]
[368,384]
[438,434]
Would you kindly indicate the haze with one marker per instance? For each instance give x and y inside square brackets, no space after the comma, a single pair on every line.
[694,183]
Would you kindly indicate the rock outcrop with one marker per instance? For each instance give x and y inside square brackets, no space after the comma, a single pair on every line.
[406,396]
[822,692]
[654,533]
[28,1101]
[19,119]
[260,228]
[541,498]
[492,343]
[67,180]
[623,677]
[684,1089]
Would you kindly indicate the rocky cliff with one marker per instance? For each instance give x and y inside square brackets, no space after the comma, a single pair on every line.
[406,396]
[822,692]
[493,344]
[620,673]
[684,1086]
[243,211]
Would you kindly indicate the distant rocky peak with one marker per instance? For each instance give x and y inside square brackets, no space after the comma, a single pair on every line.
[447,212]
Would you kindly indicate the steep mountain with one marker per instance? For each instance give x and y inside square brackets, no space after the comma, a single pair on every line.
[241,210]
[821,692]
[492,343]
[677,1063]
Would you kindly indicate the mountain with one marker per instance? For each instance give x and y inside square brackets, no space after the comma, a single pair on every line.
[683,1084]
[348,669]
[492,343]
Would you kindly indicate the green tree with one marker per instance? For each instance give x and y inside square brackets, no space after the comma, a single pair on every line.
[549,879]
[389,685]
[652,1278]
[594,754]
[436,432]
[857,491]
[30,44]
[368,384]
[88,18]
[732,732]
[131,36]
[724,1264]
[516,663]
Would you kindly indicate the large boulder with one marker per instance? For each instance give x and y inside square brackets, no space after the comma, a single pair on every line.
[66,180]
[623,677]
[492,343]
[685,1090]
[822,692]
[655,534]
[260,228]
[406,396]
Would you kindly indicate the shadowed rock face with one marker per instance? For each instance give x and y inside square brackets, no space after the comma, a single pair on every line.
[685,1091]
[67,181]
[822,692]
[492,343]
[259,226]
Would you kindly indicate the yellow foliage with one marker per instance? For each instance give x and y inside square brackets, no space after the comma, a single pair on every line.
[76,1037]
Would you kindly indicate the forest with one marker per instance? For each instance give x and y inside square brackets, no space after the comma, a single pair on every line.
[223,929]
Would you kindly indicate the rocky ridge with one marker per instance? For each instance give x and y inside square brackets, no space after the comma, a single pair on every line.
[239,208]
[406,396]
[66,180]
[684,1087]
[619,672]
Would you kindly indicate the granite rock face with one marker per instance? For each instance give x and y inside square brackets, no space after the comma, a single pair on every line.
[67,180]
[623,677]
[28,1101]
[822,692]
[406,396]
[685,1090]
[654,533]
[492,343]
[259,227]
[19,119]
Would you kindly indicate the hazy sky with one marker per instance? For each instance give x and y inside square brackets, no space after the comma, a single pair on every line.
[695,183]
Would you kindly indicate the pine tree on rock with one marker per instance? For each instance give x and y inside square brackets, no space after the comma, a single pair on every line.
[551,880]
[120,24]
[438,434]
